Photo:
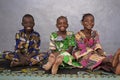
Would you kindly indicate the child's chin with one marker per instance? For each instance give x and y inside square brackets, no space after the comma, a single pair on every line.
[62,30]
[29,30]
[90,27]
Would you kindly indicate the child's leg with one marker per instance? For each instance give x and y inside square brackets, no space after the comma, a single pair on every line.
[58,61]
[15,63]
[19,63]
[22,61]
[36,59]
[116,58]
[117,71]
[51,60]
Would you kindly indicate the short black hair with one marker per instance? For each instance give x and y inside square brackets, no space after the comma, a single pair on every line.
[27,15]
[85,15]
[61,18]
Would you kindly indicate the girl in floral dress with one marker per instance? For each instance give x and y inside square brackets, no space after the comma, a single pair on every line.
[61,46]
[89,52]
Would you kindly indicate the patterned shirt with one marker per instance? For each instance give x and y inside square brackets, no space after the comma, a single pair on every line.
[57,43]
[27,44]
[86,45]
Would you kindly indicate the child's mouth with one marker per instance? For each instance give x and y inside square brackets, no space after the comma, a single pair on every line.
[28,28]
[89,27]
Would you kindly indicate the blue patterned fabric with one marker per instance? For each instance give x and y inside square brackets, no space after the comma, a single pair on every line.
[27,44]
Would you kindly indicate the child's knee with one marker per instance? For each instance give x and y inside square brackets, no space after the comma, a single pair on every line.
[51,55]
[117,53]
[59,60]
[118,50]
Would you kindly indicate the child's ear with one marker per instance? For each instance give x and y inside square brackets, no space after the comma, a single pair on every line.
[67,25]
[56,25]
[22,24]
[33,23]
[81,22]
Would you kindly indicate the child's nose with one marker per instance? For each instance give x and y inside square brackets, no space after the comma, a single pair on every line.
[63,24]
[29,24]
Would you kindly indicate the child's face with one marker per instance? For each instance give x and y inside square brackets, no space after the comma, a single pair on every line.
[88,22]
[62,24]
[28,24]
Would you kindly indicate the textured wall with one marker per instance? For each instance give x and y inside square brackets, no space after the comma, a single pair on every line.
[45,12]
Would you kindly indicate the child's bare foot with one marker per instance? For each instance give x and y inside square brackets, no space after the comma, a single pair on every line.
[15,59]
[50,62]
[56,64]
[54,70]
[47,66]
[33,62]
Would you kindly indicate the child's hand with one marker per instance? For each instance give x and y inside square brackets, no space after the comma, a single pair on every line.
[41,56]
[15,59]
[101,52]
[21,44]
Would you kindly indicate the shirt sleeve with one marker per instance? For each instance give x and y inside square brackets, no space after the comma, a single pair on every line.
[52,43]
[97,42]
[19,43]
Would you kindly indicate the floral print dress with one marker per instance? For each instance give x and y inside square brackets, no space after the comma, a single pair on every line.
[85,49]
[58,44]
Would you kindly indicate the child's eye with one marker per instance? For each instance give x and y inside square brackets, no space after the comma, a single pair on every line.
[28,23]
[31,22]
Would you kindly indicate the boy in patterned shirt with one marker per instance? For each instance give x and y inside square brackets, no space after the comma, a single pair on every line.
[27,45]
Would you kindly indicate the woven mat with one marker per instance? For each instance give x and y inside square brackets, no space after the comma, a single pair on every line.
[36,71]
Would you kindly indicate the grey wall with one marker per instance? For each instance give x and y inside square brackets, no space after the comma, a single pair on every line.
[45,12]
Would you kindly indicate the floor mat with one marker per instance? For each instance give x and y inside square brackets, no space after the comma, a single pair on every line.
[37,73]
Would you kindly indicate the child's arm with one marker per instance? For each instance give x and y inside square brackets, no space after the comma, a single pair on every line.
[52,46]
[19,44]
[70,49]
[19,48]
[97,46]
[100,52]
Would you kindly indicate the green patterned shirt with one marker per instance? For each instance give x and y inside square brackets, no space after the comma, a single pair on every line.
[57,43]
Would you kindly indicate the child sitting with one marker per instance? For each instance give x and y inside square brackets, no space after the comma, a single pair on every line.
[61,46]
[89,52]
[27,44]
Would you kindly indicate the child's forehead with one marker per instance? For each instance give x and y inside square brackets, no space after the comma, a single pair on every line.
[63,18]
[88,16]
[28,18]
